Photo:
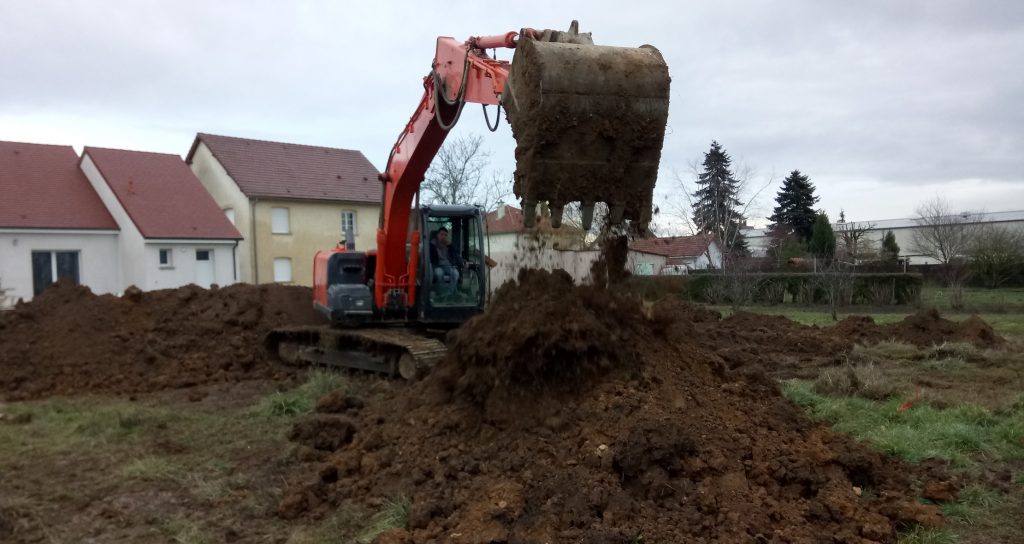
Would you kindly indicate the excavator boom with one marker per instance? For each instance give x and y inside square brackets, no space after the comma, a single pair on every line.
[589,123]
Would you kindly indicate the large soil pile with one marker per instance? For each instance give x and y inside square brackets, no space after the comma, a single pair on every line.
[573,414]
[68,340]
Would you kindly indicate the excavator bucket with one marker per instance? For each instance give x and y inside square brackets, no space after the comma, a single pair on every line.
[589,122]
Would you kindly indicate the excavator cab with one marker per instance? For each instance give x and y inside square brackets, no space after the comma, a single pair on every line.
[453,276]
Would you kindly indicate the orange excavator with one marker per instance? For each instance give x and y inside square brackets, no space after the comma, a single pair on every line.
[589,122]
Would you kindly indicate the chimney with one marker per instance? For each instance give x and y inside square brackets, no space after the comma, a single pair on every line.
[501,209]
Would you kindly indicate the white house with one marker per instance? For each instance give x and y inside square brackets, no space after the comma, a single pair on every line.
[172,233]
[674,255]
[52,224]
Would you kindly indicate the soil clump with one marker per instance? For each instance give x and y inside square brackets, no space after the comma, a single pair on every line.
[68,340]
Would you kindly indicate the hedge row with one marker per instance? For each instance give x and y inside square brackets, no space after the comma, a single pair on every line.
[877,289]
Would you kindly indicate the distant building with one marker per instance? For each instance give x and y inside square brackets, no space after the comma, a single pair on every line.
[288,201]
[506,232]
[171,232]
[903,229]
[52,224]
[107,220]
[675,255]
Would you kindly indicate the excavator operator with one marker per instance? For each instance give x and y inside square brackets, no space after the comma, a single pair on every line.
[446,261]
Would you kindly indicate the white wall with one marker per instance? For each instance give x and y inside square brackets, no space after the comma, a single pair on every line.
[139,258]
[131,248]
[576,263]
[97,260]
[226,194]
[182,270]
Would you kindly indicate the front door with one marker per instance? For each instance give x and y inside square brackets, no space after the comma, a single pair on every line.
[49,266]
[204,268]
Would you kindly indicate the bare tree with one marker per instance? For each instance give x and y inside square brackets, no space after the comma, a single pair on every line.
[458,175]
[942,234]
[852,236]
[997,253]
[946,237]
[836,280]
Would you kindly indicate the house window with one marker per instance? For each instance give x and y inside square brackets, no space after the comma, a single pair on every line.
[230,214]
[282,269]
[279,221]
[202,254]
[166,258]
[348,221]
[49,266]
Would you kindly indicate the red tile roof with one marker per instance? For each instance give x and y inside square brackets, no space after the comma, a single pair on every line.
[281,170]
[512,221]
[43,188]
[673,246]
[161,195]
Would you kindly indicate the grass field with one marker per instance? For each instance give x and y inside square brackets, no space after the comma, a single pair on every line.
[165,469]
[952,402]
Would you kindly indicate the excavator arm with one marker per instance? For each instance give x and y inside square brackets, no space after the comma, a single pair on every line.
[589,122]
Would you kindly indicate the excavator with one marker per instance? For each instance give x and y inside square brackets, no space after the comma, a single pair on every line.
[589,122]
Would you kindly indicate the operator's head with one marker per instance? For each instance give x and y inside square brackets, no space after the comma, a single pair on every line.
[442,236]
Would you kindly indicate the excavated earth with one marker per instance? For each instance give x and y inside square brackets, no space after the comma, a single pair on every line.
[70,341]
[578,414]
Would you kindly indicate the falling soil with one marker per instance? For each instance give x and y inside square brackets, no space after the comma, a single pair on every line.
[69,340]
[575,414]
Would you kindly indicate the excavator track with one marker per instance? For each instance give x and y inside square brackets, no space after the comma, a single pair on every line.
[393,351]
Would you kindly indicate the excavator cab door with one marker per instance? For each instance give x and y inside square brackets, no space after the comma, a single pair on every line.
[453,275]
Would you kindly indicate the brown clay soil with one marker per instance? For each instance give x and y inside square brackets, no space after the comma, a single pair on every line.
[69,340]
[778,345]
[574,414]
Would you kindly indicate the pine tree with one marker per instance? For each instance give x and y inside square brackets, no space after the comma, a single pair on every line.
[716,210]
[890,249]
[795,210]
[823,239]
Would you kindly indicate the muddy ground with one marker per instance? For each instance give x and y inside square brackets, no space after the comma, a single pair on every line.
[564,414]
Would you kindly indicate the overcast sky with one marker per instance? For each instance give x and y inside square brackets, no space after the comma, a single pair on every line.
[882,103]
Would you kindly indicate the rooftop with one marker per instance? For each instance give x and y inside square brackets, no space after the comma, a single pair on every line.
[268,169]
[43,188]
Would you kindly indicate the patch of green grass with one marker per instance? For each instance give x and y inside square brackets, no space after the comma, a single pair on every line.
[393,515]
[63,425]
[975,502]
[927,535]
[338,528]
[888,350]
[151,468]
[184,531]
[301,400]
[864,380]
[955,434]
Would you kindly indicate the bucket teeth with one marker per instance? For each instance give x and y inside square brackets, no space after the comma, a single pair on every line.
[556,215]
[615,213]
[529,213]
[587,215]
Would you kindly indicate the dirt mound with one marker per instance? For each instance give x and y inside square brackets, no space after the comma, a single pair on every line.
[927,327]
[524,341]
[661,443]
[69,340]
